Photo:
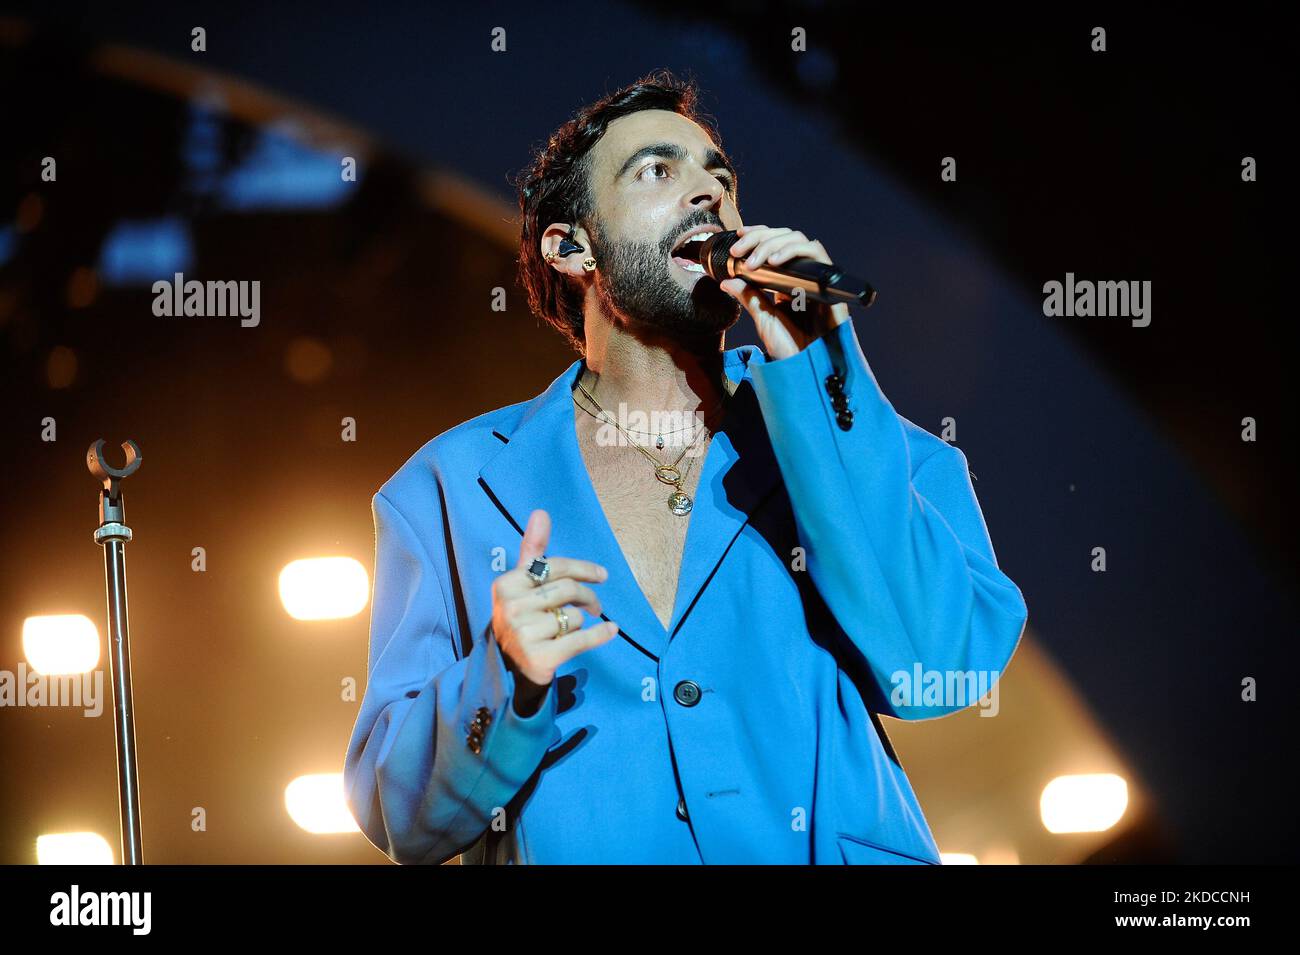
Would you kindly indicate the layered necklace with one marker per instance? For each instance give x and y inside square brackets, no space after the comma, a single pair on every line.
[679,502]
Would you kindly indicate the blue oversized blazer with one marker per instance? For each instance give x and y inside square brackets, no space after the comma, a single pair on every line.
[833,545]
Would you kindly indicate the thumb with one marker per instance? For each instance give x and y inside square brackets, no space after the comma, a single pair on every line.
[734,287]
[536,536]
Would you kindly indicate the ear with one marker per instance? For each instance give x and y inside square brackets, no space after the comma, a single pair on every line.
[558,238]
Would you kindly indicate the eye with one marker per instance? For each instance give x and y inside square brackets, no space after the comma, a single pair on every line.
[655,165]
[728,183]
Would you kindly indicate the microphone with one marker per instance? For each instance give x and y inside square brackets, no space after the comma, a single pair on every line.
[824,283]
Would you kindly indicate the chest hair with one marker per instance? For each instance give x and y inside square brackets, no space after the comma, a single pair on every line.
[635,503]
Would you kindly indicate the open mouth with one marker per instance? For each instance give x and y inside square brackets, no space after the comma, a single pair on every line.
[686,253]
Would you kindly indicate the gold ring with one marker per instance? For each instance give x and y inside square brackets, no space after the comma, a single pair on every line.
[562,619]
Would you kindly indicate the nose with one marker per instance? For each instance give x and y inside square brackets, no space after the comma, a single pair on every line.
[708,193]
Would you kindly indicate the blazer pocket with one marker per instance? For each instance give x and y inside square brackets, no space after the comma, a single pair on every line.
[861,852]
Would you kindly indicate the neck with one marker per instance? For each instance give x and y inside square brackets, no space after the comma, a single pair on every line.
[651,372]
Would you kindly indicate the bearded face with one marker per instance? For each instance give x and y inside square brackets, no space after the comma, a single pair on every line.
[639,283]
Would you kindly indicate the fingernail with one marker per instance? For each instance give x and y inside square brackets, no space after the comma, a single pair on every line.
[613,627]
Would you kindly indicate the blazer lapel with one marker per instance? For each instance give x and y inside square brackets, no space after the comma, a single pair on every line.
[541,467]
[739,471]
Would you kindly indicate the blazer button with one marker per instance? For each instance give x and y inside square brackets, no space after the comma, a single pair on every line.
[839,402]
[687,693]
[834,383]
[681,808]
[845,420]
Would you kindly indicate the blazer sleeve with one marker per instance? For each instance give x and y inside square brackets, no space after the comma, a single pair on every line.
[438,748]
[897,548]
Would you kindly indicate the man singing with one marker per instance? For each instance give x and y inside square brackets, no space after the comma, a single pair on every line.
[723,563]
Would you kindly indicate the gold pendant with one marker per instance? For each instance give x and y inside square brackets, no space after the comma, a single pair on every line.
[680,503]
[668,474]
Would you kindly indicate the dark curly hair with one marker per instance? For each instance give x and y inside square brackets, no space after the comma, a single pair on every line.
[556,188]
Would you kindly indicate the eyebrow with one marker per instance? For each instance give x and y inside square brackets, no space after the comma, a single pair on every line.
[713,158]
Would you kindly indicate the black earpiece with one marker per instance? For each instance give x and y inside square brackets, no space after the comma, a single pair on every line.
[567,245]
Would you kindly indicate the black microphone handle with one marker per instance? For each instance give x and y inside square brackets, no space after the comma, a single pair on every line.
[821,282]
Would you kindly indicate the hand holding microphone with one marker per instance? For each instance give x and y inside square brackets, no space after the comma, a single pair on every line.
[780,261]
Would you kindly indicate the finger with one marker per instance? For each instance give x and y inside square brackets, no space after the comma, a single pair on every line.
[751,239]
[735,288]
[558,593]
[796,246]
[741,290]
[793,250]
[577,569]
[536,536]
[751,298]
[538,627]
[542,626]
[753,234]
[565,648]
[765,248]
[517,581]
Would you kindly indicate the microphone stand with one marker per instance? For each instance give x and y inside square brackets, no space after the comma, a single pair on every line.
[112,534]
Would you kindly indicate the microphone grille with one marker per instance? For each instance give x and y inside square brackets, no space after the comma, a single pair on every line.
[716,252]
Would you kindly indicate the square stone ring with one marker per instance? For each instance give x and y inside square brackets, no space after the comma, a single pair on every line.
[539,570]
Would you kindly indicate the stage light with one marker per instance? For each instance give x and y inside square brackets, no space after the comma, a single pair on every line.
[61,643]
[1085,803]
[73,848]
[958,858]
[324,588]
[1000,855]
[317,805]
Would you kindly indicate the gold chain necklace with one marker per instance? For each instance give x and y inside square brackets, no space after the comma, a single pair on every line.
[679,502]
[657,435]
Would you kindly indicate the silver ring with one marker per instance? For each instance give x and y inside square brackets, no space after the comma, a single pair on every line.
[561,618]
[539,570]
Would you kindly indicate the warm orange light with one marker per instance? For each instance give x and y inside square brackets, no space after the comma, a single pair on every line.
[316,804]
[1090,802]
[61,643]
[73,848]
[324,588]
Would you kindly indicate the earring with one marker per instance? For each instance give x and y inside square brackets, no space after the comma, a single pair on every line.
[552,256]
[589,264]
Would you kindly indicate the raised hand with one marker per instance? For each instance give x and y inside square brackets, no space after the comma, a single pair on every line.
[525,619]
